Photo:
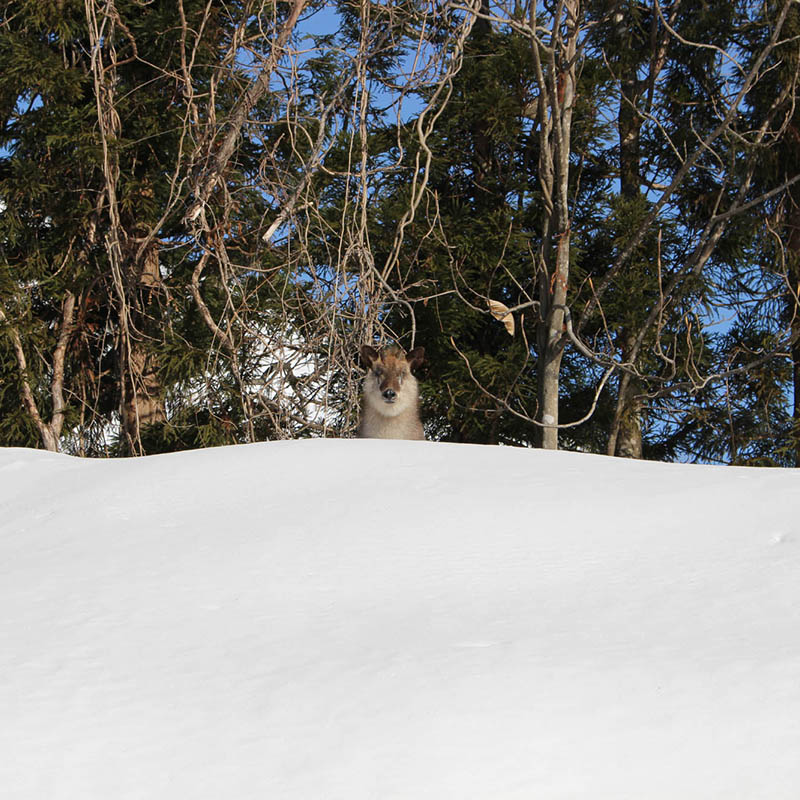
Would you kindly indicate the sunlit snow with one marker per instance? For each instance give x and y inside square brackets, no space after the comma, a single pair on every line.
[366,620]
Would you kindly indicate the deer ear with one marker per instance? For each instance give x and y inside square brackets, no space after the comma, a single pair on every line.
[369,354]
[415,357]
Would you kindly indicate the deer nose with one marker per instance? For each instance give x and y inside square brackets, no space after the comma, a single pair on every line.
[389,395]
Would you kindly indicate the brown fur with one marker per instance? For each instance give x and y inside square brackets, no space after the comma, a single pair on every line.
[390,405]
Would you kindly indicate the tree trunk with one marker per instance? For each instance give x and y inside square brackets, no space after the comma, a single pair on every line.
[551,346]
[625,437]
[50,432]
[142,399]
[556,86]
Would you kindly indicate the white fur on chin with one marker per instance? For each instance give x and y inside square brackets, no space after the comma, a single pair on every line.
[398,420]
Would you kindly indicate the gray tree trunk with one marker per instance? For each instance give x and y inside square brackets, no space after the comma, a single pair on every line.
[556,82]
[625,437]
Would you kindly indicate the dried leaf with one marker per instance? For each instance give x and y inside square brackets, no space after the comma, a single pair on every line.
[501,312]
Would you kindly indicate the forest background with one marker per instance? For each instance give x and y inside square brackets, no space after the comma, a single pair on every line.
[587,213]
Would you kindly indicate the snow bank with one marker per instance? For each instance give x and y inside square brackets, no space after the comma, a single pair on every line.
[364,620]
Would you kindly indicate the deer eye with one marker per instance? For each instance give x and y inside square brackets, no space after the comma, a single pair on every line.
[378,372]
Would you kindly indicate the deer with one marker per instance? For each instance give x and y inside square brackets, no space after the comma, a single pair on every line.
[390,402]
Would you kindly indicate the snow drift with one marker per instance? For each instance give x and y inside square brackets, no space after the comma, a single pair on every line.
[356,620]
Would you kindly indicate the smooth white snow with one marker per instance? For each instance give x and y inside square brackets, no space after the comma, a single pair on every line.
[368,620]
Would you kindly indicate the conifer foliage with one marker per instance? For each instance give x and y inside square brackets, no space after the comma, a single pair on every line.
[584,210]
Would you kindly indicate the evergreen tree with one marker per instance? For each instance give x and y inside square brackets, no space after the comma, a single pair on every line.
[101,126]
[768,282]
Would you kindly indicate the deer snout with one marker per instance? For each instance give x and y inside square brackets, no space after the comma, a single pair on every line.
[389,395]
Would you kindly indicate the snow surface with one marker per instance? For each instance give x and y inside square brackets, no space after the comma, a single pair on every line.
[367,620]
